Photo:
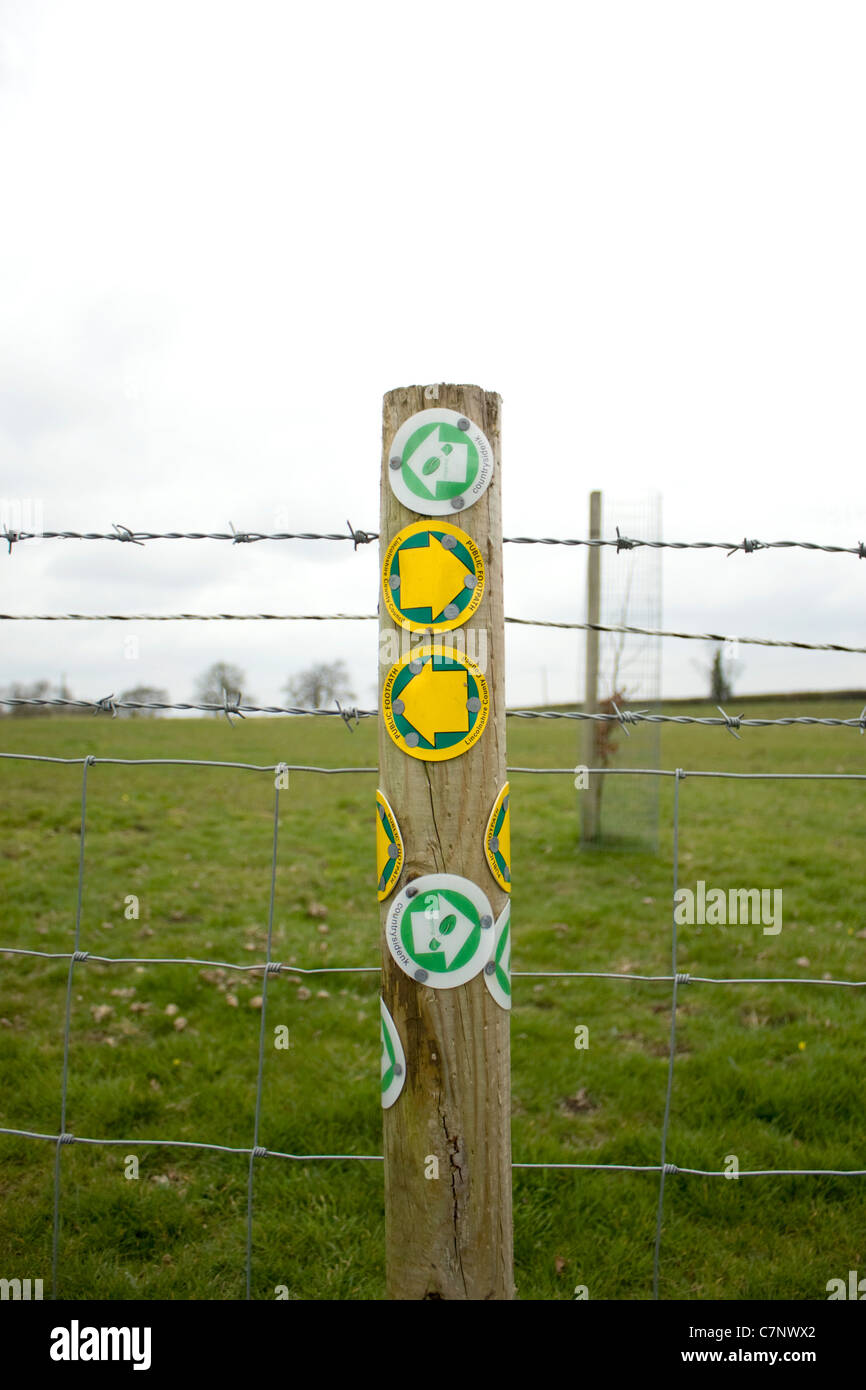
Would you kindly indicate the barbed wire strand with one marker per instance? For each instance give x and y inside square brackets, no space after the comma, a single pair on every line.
[372,617]
[109,705]
[357,537]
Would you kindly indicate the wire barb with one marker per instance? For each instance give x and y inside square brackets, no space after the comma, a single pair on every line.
[10,537]
[231,707]
[360,537]
[627,716]
[732,722]
[240,537]
[747,547]
[123,533]
[347,715]
[105,706]
[623,543]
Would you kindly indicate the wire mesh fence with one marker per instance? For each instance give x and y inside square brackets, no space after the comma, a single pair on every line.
[79,956]
[269,967]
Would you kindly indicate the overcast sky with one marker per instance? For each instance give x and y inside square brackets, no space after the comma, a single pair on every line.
[228,229]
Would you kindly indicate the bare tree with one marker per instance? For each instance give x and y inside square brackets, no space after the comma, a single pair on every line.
[144,694]
[721,670]
[219,678]
[320,685]
[39,690]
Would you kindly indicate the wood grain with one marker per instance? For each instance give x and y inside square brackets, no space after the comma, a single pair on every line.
[451,1237]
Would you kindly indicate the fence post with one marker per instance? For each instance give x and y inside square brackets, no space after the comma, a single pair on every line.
[446,1063]
[590,797]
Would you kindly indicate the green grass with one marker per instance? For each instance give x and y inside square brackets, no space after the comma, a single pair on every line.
[771,1073]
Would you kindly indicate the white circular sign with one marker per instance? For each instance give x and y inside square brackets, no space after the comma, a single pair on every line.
[439,462]
[440,930]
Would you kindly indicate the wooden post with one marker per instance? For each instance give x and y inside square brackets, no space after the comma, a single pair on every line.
[448,1222]
[590,797]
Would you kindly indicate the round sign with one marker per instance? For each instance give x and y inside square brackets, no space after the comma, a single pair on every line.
[497,971]
[497,840]
[432,577]
[435,703]
[440,930]
[389,848]
[439,462]
[393,1063]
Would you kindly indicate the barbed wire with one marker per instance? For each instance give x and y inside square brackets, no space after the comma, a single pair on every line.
[125,534]
[232,707]
[372,617]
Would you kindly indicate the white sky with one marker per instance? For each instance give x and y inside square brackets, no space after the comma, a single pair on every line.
[227,229]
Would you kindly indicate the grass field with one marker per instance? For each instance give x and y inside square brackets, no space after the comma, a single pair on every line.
[771,1073]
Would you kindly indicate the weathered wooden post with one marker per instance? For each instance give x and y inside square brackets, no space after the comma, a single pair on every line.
[443,837]
[590,797]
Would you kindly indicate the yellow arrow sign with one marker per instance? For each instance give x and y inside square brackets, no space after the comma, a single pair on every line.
[433,576]
[434,702]
[430,576]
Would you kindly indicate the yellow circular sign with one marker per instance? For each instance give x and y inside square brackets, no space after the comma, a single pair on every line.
[435,703]
[432,577]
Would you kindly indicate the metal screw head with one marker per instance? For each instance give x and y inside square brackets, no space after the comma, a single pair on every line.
[473,704]
[421,976]
[486,920]
[463,424]
[451,610]
[494,842]
[458,504]
[398,706]
[448,542]
[393,581]
[490,967]
[392,851]
[506,874]
[411,892]
[398,1070]
[412,740]
[469,581]
[395,463]
[415,665]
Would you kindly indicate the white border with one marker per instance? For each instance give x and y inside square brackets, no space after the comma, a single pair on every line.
[431,506]
[432,883]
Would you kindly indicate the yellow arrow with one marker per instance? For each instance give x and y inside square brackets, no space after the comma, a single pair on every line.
[430,577]
[435,702]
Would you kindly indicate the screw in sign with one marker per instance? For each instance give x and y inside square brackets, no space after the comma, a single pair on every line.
[435,703]
[440,930]
[439,462]
[432,577]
